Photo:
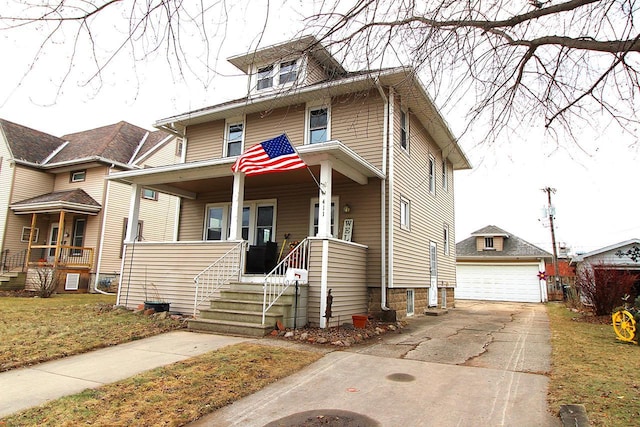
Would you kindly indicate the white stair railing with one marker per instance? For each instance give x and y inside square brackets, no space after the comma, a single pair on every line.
[225,269]
[276,283]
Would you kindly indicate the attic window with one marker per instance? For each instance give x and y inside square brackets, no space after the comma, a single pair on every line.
[265,77]
[78,176]
[288,72]
[488,244]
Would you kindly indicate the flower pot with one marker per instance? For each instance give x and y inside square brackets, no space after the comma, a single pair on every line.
[157,306]
[360,320]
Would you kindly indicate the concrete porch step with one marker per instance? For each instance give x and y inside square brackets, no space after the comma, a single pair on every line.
[12,281]
[230,327]
[243,305]
[237,315]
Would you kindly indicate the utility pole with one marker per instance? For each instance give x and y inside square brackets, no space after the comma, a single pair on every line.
[551,213]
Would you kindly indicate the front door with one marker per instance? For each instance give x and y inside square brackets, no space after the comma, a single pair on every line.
[53,240]
[433,264]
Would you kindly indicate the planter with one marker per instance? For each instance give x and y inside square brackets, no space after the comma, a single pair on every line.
[360,320]
[157,306]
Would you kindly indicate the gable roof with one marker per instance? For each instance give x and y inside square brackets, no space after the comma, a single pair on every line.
[29,144]
[70,200]
[599,251]
[513,247]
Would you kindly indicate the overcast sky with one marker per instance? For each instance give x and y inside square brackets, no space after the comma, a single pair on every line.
[596,201]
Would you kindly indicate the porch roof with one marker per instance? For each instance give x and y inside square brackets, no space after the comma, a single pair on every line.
[185,179]
[76,201]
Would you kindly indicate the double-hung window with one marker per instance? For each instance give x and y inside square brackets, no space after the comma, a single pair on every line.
[488,243]
[288,72]
[432,175]
[404,130]
[445,173]
[405,213]
[318,125]
[445,238]
[265,77]
[235,133]
[78,236]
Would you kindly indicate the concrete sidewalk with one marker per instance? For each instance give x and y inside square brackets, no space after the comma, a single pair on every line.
[32,386]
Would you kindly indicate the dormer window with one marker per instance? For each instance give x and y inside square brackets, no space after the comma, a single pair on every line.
[288,72]
[265,77]
[279,74]
[488,243]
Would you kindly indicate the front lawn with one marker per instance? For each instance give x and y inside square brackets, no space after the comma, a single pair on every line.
[591,367]
[34,330]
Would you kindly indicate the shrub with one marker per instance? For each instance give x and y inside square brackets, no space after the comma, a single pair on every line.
[602,287]
[45,281]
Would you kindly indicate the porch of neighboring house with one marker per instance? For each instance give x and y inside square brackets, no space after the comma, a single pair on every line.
[62,229]
[232,267]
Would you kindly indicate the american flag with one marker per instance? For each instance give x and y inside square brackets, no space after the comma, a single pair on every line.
[273,155]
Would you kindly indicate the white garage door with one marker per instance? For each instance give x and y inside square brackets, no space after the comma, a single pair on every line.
[498,282]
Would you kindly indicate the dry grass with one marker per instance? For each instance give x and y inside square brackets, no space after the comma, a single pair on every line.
[591,367]
[34,330]
[172,395]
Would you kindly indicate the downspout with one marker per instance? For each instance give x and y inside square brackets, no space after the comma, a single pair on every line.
[104,227]
[383,200]
[390,178]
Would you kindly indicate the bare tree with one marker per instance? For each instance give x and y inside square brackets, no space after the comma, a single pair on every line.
[509,64]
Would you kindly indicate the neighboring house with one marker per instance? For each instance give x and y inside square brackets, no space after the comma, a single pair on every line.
[624,256]
[380,166]
[58,211]
[496,265]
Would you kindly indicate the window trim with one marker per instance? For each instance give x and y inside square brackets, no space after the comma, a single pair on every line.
[227,127]
[404,130]
[296,64]
[276,74]
[405,214]
[24,238]
[411,302]
[326,104]
[75,236]
[445,174]
[335,201]
[489,244]
[431,174]
[265,77]
[72,175]
[153,196]
[446,239]
[253,206]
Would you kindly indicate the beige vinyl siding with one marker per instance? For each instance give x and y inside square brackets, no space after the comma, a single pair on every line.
[315,72]
[167,270]
[93,185]
[345,277]
[428,212]
[357,120]
[205,141]
[6,183]
[165,155]
[269,124]
[29,183]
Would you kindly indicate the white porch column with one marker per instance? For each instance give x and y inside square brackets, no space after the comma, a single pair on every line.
[324,199]
[237,202]
[134,213]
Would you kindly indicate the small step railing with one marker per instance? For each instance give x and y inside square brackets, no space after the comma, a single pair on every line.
[225,269]
[276,283]
[9,263]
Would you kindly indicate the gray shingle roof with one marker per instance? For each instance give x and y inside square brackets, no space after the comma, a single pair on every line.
[514,246]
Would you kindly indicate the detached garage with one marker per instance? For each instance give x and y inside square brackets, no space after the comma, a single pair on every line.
[495,265]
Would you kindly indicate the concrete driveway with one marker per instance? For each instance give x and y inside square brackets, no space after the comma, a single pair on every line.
[482,364]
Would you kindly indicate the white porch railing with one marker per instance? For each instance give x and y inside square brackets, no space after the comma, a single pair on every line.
[226,268]
[276,283]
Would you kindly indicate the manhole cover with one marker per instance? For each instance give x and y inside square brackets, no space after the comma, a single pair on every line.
[325,417]
[403,378]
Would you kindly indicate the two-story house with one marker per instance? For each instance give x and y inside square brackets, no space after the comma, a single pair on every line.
[58,211]
[373,211]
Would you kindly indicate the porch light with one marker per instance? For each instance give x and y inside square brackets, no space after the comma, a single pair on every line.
[346,208]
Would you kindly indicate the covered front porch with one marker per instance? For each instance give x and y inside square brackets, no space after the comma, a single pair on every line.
[61,221]
[227,218]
